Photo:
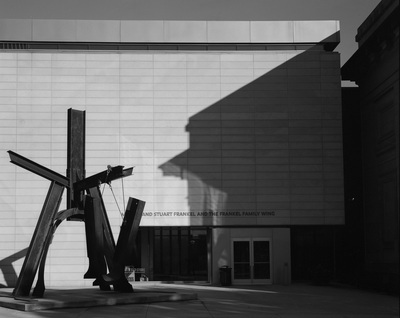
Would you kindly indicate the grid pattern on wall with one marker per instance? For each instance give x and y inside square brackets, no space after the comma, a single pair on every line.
[206,131]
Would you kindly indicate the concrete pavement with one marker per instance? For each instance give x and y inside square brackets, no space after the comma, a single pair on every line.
[275,301]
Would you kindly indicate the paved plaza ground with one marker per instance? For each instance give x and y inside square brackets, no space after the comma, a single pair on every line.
[267,301]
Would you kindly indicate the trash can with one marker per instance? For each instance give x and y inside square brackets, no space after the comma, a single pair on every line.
[225,275]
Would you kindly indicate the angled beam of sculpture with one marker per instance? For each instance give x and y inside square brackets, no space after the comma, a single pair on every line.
[38,169]
[106,176]
[37,246]
[60,216]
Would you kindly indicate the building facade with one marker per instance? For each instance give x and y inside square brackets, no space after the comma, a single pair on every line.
[234,129]
[375,68]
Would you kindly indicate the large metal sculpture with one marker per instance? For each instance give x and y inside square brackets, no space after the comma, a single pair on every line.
[84,203]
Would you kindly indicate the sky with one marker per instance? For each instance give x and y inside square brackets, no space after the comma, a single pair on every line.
[350,13]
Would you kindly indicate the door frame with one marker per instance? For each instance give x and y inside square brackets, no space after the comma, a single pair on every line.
[252,280]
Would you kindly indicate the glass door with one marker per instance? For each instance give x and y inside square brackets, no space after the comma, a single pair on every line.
[261,261]
[241,261]
[251,261]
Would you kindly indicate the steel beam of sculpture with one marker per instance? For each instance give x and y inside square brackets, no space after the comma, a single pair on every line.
[84,203]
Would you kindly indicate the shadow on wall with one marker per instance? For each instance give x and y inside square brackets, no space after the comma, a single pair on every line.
[271,144]
[6,266]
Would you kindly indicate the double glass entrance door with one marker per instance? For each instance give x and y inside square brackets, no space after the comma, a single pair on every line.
[251,261]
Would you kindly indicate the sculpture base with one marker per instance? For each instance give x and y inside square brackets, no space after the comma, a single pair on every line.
[89,297]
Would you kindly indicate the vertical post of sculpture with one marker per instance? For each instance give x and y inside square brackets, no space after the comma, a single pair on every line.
[129,229]
[94,239]
[126,245]
[99,226]
[76,155]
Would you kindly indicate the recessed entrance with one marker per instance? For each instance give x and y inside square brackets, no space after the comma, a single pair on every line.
[251,261]
[180,254]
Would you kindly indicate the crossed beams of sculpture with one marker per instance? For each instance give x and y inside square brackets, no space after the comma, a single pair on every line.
[85,203]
